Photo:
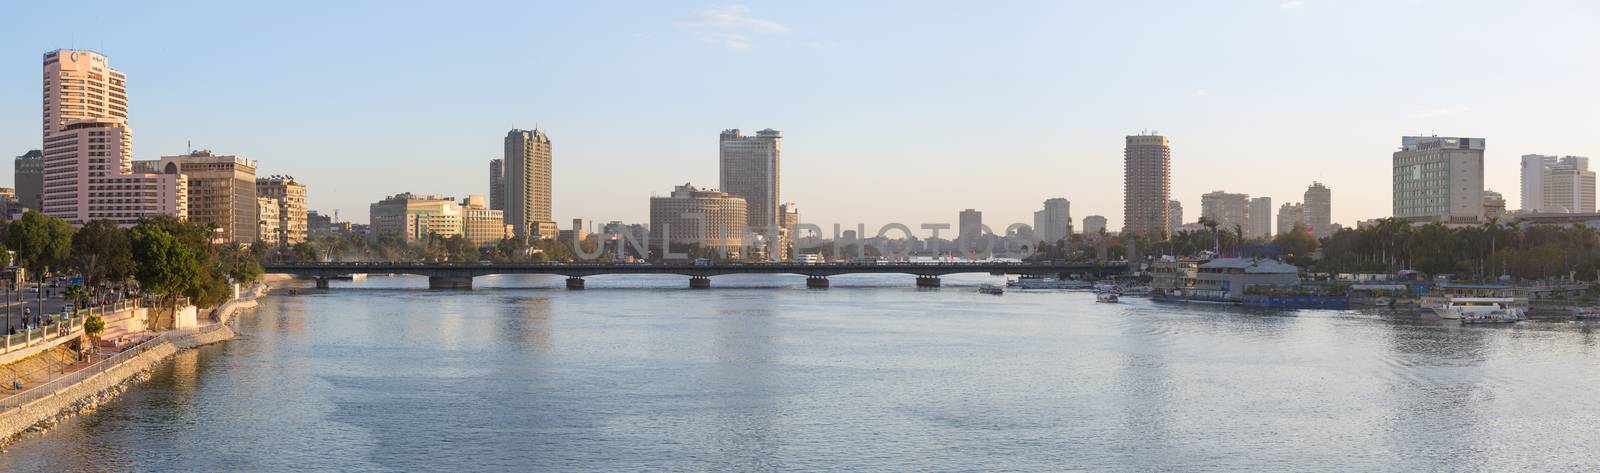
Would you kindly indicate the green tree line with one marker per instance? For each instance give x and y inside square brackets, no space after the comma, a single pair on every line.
[1484,251]
[170,258]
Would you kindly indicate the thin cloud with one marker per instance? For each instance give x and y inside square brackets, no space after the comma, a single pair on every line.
[730,26]
[734,41]
[1202,92]
[1292,4]
[736,17]
[1445,111]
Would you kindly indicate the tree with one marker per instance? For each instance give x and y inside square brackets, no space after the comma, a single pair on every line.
[1211,228]
[101,252]
[238,263]
[212,291]
[40,241]
[168,267]
[555,250]
[307,252]
[78,295]
[92,328]
[460,250]
[1297,243]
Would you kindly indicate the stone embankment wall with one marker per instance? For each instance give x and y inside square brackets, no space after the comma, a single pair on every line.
[83,396]
[89,393]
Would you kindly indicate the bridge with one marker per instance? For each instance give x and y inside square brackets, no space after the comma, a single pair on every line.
[459,276]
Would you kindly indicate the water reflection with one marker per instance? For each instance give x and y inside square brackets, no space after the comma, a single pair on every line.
[747,338]
[1143,394]
[524,322]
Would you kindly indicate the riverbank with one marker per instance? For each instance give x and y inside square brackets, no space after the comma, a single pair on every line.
[83,391]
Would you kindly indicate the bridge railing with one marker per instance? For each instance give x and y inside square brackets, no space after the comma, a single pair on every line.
[387,265]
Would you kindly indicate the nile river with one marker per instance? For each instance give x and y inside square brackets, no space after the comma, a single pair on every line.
[643,374]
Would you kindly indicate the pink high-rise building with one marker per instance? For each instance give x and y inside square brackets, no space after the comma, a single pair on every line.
[88,147]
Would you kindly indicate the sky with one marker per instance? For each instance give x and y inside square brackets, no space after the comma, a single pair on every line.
[893,111]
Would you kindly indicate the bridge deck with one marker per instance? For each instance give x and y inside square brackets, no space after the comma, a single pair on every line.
[326,270]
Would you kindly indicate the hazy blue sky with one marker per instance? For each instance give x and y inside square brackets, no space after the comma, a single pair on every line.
[892,111]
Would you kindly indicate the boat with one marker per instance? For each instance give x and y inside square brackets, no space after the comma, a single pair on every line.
[1383,302]
[1493,317]
[1444,293]
[1106,296]
[991,289]
[1586,313]
[1473,310]
[1047,283]
[1137,291]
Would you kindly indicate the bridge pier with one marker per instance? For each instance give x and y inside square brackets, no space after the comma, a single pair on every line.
[699,282]
[927,281]
[816,282]
[449,282]
[322,283]
[574,283]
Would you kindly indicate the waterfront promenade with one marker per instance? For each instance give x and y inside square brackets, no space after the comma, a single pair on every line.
[82,386]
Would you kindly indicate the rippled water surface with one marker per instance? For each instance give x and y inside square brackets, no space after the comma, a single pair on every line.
[643,374]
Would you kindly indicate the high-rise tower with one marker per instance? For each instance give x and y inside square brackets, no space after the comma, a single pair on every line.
[1319,209]
[1552,184]
[527,184]
[88,147]
[28,170]
[1260,218]
[749,168]
[1437,179]
[1054,222]
[1146,184]
[497,184]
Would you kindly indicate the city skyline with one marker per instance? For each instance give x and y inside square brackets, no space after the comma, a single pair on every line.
[1220,123]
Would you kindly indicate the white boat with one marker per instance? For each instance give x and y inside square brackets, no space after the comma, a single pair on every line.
[1383,302]
[991,289]
[1106,296]
[1047,283]
[1496,317]
[1137,291]
[1586,313]
[1480,310]
[1434,301]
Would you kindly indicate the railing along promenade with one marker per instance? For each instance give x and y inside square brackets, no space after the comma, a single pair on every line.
[74,326]
[65,324]
[459,275]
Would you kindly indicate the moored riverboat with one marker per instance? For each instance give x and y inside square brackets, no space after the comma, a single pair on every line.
[1047,283]
[1586,313]
[1480,310]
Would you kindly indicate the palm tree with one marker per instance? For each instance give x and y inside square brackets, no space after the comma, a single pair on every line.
[1211,226]
[77,294]
[92,327]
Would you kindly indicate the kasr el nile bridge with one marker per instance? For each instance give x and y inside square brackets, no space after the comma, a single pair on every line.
[459,276]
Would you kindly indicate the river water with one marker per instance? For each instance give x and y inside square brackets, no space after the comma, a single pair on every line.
[642,374]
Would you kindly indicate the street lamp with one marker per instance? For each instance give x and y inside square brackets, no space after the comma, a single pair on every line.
[39,295]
